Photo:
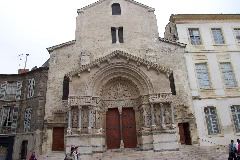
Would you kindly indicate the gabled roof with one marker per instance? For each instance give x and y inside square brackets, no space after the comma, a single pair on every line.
[50,49]
[172,42]
[100,1]
[118,53]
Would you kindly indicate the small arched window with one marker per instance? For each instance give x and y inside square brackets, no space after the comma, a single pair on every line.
[116,9]
[172,84]
[65,88]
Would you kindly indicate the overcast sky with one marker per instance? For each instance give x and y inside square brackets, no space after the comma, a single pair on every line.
[30,26]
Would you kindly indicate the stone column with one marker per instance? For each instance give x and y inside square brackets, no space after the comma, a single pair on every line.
[117,38]
[152,115]
[79,118]
[172,114]
[69,129]
[89,119]
[162,116]
[121,135]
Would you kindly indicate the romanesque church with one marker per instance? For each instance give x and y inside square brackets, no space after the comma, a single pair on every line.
[117,85]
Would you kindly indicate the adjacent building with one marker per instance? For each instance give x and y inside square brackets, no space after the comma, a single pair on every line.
[117,85]
[213,62]
[22,102]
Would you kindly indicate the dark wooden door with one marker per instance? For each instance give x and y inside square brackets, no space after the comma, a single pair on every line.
[185,136]
[113,128]
[188,140]
[129,128]
[58,139]
[181,133]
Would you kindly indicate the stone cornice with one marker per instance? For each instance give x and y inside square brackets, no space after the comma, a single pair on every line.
[50,49]
[172,42]
[118,53]
[190,17]
[150,9]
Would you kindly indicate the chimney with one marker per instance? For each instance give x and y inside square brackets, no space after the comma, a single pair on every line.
[22,71]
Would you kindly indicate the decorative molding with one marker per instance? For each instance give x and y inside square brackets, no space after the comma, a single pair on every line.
[123,54]
[161,98]
[172,42]
[83,101]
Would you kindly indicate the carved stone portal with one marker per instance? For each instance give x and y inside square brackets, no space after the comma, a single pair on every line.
[119,89]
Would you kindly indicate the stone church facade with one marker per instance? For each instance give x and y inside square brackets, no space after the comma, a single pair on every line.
[117,85]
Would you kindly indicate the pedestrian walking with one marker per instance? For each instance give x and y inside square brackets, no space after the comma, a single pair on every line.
[232,151]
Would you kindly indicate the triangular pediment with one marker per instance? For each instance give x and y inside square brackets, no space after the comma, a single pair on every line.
[101,1]
[123,55]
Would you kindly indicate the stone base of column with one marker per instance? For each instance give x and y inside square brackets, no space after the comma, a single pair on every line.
[69,131]
[153,127]
[121,144]
[90,130]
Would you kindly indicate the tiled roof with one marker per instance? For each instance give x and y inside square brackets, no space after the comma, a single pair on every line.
[50,49]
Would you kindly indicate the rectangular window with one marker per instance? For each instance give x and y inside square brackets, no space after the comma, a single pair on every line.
[228,75]
[27,119]
[7,117]
[195,36]
[120,34]
[113,32]
[31,88]
[212,120]
[117,34]
[10,90]
[236,116]
[217,35]
[237,34]
[202,75]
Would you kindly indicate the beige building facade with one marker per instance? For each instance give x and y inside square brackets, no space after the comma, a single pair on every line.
[212,56]
[117,85]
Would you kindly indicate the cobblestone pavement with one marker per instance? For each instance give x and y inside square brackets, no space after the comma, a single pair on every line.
[185,153]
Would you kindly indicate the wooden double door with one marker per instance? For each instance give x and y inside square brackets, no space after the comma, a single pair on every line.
[121,127]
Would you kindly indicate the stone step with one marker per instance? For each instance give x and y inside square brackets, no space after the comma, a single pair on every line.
[184,153]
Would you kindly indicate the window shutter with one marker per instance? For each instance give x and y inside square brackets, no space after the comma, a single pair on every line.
[14,118]
[3,89]
[18,90]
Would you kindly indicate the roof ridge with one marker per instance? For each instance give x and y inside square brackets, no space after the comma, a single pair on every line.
[50,49]
[100,1]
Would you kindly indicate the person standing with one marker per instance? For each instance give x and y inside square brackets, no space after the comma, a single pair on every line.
[238,149]
[232,151]
[237,144]
[33,157]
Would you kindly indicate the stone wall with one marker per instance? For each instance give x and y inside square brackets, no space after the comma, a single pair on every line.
[35,102]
